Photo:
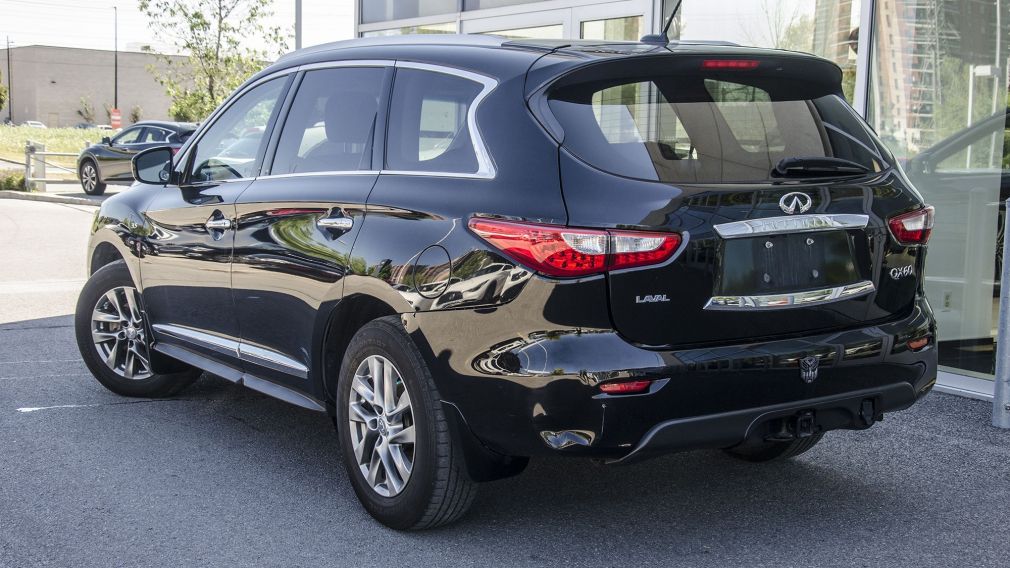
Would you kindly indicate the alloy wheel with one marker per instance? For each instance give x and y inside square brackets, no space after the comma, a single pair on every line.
[89,177]
[381,422]
[120,335]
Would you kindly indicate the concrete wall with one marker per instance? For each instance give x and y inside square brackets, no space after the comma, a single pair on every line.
[50,81]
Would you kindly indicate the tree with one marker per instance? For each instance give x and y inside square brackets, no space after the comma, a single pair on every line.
[136,113]
[3,93]
[216,34]
[86,112]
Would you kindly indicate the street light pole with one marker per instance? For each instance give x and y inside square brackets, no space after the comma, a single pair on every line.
[10,84]
[298,24]
[115,62]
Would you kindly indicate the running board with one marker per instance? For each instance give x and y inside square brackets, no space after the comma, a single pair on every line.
[229,373]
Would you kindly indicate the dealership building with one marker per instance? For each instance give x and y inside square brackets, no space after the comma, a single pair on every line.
[930,76]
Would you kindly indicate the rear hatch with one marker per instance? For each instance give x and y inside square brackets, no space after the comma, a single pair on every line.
[781,193]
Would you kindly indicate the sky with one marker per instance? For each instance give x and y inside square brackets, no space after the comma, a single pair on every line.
[89,23]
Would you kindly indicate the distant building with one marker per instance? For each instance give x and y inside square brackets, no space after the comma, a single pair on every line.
[48,83]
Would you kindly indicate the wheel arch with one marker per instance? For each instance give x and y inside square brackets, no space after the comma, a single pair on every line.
[350,314]
[103,254]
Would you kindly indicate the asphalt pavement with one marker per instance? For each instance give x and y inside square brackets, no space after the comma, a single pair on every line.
[223,476]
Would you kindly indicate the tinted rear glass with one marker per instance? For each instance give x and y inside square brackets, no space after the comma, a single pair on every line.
[707,129]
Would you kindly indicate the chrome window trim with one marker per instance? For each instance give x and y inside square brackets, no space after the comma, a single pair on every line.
[322,173]
[789,300]
[791,224]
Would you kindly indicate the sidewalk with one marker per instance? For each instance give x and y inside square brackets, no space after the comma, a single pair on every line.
[64,193]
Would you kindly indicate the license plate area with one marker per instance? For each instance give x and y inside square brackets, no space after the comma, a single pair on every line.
[785,263]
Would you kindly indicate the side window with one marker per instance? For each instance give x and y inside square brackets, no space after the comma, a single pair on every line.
[129,136]
[230,148]
[331,122]
[155,135]
[428,129]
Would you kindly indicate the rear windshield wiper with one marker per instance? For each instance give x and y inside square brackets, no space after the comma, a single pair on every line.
[817,167]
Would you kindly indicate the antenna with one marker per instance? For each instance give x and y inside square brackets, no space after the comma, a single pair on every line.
[662,38]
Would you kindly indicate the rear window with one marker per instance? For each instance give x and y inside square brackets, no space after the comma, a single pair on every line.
[706,129]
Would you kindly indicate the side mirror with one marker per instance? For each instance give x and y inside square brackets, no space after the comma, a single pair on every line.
[153,166]
[106,140]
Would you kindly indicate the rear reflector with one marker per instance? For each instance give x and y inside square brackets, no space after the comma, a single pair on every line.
[918,343]
[629,387]
[729,64]
[563,251]
[914,227]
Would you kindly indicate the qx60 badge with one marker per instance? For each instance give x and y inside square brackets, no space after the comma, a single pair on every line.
[794,202]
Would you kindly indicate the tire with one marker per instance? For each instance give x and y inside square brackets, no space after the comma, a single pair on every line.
[107,323]
[91,179]
[762,451]
[436,489]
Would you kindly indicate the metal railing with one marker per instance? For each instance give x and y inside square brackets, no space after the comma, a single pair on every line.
[36,165]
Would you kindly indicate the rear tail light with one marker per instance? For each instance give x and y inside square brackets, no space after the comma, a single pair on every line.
[627,387]
[564,251]
[914,227]
[918,343]
[741,64]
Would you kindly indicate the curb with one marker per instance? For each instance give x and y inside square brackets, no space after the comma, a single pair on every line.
[48,197]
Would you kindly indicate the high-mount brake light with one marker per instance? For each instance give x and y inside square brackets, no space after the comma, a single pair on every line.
[740,64]
[564,251]
[914,227]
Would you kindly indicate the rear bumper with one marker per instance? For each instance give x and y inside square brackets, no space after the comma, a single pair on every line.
[855,410]
[526,385]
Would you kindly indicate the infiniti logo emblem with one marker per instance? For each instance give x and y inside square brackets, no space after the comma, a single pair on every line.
[795,201]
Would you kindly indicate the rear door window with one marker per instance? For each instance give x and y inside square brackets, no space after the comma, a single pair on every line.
[705,130]
[428,128]
[331,123]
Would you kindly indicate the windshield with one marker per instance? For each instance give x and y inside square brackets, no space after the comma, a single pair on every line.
[705,129]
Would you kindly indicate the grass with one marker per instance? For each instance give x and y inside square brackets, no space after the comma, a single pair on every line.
[12,143]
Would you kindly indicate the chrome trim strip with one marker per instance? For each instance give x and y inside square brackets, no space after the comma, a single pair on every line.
[485,167]
[790,300]
[200,338]
[272,359]
[348,63]
[325,173]
[791,224]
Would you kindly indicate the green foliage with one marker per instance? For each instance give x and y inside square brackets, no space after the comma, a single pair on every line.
[12,182]
[12,142]
[3,93]
[87,111]
[215,34]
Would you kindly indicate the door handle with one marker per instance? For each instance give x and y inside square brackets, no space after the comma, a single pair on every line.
[336,223]
[218,224]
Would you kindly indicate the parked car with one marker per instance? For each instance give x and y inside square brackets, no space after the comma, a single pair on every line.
[33,124]
[109,160]
[692,246]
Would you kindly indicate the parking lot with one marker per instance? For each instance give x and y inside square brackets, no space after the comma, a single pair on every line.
[226,476]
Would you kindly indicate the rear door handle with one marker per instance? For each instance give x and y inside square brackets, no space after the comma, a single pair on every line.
[336,222]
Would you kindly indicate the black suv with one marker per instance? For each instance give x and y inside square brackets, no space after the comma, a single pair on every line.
[470,251]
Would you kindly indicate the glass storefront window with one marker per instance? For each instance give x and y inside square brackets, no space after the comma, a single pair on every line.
[828,28]
[446,28]
[373,11]
[614,29]
[938,99]
[539,32]
[485,4]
